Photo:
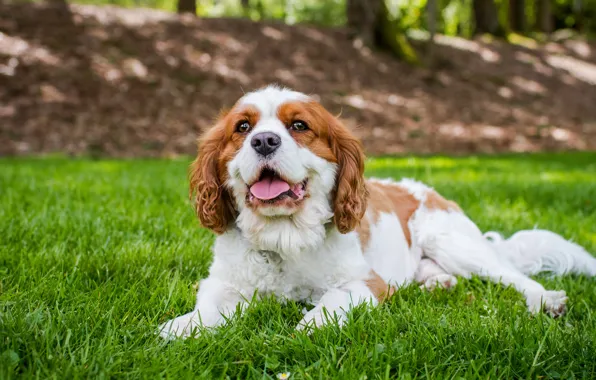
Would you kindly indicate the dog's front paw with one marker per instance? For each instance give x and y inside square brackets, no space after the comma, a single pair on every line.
[318,317]
[181,327]
[443,280]
[553,302]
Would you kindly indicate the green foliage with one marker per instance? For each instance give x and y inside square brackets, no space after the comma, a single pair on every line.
[503,11]
[167,5]
[455,16]
[451,15]
[409,13]
[95,254]
[330,13]
[394,35]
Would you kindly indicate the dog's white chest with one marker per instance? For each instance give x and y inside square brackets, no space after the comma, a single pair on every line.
[270,274]
[305,277]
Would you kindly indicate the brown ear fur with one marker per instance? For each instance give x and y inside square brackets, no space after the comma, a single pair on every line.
[351,194]
[213,203]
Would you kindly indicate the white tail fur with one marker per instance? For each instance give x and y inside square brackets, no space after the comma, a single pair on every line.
[534,251]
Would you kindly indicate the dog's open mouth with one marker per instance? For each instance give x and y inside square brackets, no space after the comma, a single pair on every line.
[271,188]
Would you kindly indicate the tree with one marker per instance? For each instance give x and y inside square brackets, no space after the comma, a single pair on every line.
[544,16]
[245,6]
[261,9]
[371,21]
[362,18]
[486,17]
[431,14]
[517,15]
[187,6]
[578,11]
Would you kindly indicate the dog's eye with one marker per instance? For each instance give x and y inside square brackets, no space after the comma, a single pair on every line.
[243,126]
[299,126]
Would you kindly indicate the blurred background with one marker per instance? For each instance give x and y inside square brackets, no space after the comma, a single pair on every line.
[143,77]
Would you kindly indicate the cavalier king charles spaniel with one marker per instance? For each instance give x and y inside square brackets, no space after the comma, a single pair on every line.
[281,182]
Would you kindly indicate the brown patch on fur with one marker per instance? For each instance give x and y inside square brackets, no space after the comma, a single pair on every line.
[391,198]
[329,139]
[379,287]
[434,201]
[218,146]
[351,194]
[396,199]
[316,138]
[363,230]
[377,203]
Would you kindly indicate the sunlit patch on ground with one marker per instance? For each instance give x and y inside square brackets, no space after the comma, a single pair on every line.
[138,82]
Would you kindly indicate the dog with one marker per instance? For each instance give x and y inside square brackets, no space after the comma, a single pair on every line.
[281,182]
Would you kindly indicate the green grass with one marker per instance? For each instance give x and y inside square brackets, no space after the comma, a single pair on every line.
[95,254]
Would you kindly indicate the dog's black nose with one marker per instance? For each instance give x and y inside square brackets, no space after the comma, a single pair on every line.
[265,143]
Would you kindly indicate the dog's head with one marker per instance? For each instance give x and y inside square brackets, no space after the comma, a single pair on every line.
[279,166]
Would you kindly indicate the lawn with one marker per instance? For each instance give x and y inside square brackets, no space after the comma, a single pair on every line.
[95,254]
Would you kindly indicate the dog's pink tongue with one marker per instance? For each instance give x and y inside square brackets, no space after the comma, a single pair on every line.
[269,188]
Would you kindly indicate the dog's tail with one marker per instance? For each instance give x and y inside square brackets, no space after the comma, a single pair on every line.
[535,251]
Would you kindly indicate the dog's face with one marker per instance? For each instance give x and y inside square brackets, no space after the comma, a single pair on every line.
[279,163]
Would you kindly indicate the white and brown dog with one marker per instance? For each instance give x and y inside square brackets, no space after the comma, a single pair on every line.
[280,180]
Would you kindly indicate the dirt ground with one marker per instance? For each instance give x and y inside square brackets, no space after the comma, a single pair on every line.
[106,81]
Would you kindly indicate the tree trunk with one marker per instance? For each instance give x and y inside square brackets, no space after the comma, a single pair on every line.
[362,18]
[370,21]
[261,10]
[486,17]
[517,15]
[431,13]
[578,11]
[245,7]
[187,6]
[389,34]
[544,16]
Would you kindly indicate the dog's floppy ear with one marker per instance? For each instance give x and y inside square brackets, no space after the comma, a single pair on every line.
[350,197]
[213,203]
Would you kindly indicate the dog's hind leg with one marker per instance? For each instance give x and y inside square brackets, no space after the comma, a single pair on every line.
[432,276]
[457,246]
